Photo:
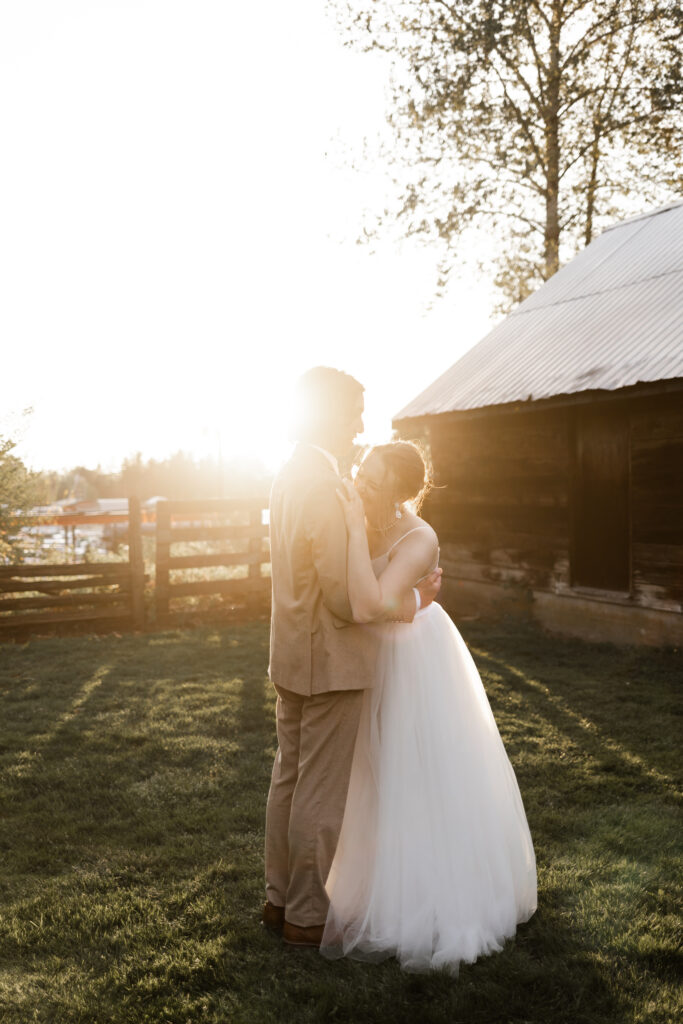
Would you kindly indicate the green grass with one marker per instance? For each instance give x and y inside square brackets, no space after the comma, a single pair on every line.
[134,777]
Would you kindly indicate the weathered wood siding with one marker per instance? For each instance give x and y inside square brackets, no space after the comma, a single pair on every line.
[508,501]
[501,507]
[657,504]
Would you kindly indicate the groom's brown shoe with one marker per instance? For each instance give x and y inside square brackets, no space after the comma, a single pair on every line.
[273,917]
[296,936]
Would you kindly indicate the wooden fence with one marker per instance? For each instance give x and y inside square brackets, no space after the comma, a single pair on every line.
[35,597]
[57,597]
[235,523]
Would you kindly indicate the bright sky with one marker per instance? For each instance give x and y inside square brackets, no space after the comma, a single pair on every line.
[175,247]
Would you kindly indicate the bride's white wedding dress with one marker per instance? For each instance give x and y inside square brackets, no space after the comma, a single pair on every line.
[435,863]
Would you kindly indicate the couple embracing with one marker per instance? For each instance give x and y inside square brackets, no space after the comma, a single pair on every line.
[394,824]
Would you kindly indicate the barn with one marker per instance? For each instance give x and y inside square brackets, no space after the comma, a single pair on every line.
[557,446]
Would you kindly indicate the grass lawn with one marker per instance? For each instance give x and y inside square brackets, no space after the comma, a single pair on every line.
[134,773]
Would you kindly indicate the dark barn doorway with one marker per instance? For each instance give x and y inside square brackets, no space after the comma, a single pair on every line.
[601,520]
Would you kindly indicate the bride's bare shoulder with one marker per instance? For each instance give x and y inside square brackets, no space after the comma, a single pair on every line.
[422,535]
[429,531]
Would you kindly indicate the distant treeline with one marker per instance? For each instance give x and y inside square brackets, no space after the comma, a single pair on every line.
[180,476]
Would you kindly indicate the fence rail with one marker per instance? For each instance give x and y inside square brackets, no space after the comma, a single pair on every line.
[63,594]
[55,596]
[197,521]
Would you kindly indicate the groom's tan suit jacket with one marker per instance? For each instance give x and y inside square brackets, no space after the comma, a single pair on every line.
[314,645]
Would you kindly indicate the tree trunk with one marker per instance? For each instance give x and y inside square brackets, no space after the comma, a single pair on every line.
[552,149]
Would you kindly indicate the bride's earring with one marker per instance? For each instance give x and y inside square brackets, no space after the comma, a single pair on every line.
[397,510]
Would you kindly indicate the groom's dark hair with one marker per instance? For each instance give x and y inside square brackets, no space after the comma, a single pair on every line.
[323,397]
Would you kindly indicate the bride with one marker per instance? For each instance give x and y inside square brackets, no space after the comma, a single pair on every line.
[435,863]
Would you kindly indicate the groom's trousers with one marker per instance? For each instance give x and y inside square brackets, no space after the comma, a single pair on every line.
[316,737]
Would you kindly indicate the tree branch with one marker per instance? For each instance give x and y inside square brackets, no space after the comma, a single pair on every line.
[447,7]
[588,43]
[511,66]
[540,12]
[541,69]
[521,120]
[512,215]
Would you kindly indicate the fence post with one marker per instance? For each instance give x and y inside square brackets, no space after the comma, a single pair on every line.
[163,554]
[137,565]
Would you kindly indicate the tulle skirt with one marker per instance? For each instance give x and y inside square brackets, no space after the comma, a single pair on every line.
[435,863]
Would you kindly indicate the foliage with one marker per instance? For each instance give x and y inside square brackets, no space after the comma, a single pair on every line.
[178,477]
[539,121]
[20,489]
[133,778]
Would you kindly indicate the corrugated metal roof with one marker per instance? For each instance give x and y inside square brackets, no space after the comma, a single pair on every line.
[611,318]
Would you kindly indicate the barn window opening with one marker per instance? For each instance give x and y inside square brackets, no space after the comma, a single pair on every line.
[600,555]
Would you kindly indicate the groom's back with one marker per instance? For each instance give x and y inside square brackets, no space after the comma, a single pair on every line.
[314,646]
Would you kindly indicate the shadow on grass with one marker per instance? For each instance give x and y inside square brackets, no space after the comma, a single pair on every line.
[135,777]
[549,973]
[608,745]
[626,698]
[133,782]
[544,975]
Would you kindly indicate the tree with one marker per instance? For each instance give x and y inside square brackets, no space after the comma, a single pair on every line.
[178,476]
[540,120]
[20,489]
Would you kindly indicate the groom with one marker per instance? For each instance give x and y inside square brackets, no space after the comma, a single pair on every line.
[320,661]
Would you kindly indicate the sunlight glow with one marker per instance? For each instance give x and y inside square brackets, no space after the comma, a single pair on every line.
[176,245]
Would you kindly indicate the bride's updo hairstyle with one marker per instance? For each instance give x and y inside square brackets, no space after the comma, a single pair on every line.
[410,475]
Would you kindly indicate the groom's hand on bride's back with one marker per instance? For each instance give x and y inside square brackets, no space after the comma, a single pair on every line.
[429,587]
